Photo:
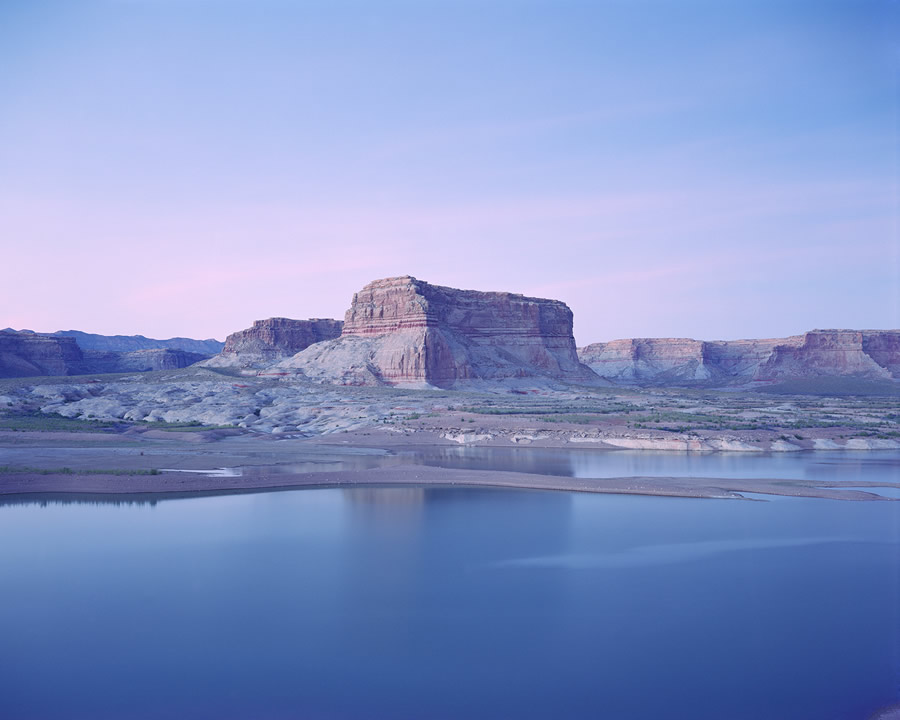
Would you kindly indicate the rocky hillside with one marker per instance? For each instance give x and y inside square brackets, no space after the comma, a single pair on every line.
[268,341]
[866,355]
[132,343]
[403,331]
[28,354]
[97,361]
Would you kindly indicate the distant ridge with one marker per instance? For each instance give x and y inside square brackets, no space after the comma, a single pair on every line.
[131,343]
[30,354]
[862,355]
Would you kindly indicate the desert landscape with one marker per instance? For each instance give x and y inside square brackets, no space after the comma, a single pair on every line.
[379,360]
[413,365]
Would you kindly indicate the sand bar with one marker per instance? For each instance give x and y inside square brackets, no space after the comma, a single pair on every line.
[411,475]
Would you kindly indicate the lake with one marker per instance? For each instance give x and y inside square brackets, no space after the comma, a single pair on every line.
[457,602]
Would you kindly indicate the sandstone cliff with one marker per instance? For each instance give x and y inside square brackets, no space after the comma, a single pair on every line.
[403,331]
[867,354]
[268,341]
[29,354]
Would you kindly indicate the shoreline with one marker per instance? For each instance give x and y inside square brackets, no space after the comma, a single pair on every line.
[186,485]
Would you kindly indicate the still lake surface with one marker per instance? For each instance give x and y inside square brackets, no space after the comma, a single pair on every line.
[836,466]
[459,602]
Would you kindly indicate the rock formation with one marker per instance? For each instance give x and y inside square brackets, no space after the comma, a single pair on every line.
[29,354]
[402,331]
[640,360]
[269,341]
[132,343]
[866,354]
[97,361]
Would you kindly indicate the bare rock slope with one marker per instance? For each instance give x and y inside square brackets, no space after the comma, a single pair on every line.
[403,331]
[858,354]
[28,354]
[133,343]
[268,341]
[98,361]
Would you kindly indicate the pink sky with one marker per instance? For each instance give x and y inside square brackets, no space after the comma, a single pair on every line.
[167,171]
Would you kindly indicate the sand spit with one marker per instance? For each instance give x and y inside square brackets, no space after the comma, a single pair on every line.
[420,475]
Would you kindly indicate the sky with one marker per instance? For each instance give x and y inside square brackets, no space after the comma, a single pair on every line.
[713,170]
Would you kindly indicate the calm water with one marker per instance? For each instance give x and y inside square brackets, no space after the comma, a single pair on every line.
[874,466]
[450,603]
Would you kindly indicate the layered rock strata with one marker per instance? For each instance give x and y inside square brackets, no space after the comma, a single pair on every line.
[29,354]
[268,341]
[97,361]
[403,331]
[866,354]
[133,343]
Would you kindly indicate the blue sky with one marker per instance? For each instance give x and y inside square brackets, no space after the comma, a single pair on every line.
[703,169]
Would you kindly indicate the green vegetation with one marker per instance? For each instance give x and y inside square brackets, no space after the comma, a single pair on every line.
[20,470]
[835,387]
[577,419]
[36,421]
[612,409]
[52,422]
[192,426]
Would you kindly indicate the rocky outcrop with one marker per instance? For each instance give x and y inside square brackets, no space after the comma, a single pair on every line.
[97,361]
[823,352]
[29,354]
[403,331]
[866,354]
[132,343]
[642,360]
[883,346]
[269,341]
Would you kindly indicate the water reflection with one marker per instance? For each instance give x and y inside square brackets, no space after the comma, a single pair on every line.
[411,554]
[593,463]
[51,500]
[882,467]
[447,603]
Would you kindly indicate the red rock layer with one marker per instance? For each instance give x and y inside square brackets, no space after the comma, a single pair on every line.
[439,335]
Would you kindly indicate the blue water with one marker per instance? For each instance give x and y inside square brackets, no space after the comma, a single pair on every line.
[449,603]
[830,466]
[852,466]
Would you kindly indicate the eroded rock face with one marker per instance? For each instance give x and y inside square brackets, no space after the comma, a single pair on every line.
[826,352]
[403,331]
[866,354]
[639,360]
[883,346]
[268,341]
[98,361]
[29,354]
[133,343]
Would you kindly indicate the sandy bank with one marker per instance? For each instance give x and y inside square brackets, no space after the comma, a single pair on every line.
[168,483]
